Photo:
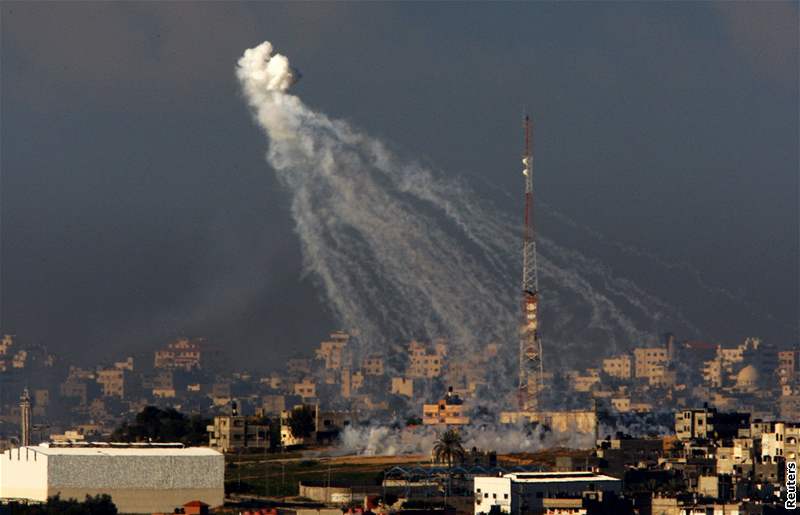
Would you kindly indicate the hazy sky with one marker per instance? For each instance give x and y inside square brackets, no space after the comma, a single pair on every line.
[136,203]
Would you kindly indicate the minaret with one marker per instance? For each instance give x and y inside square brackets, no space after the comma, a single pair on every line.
[25,418]
[530,345]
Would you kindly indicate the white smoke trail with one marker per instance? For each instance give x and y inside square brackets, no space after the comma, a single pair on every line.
[403,252]
[386,441]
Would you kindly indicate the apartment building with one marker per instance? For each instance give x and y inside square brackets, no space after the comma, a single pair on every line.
[618,366]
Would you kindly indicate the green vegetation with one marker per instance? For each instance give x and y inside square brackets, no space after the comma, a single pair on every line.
[448,448]
[413,421]
[98,505]
[153,424]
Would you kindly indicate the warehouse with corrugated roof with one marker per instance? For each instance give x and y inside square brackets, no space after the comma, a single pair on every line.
[140,478]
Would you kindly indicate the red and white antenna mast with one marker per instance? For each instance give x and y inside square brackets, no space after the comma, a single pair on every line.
[530,345]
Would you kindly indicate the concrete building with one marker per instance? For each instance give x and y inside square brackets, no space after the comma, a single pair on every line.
[6,343]
[712,373]
[306,389]
[619,366]
[449,411]
[709,423]
[233,433]
[782,441]
[528,492]
[326,426]
[273,404]
[403,386]
[585,382]
[723,370]
[372,365]
[182,353]
[126,364]
[423,363]
[298,366]
[333,351]
[788,366]
[144,478]
[112,382]
[563,422]
[5,351]
[650,362]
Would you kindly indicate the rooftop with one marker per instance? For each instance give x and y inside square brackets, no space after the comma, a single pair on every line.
[557,477]
[111,449]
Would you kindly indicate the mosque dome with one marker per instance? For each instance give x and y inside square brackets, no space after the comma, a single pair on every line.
[747,377]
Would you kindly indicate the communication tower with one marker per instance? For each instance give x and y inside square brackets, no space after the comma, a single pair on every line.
[530,344]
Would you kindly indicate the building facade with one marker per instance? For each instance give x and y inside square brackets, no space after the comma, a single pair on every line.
[139,478]
[528,492]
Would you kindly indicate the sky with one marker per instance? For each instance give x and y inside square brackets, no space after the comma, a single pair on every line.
[136,204]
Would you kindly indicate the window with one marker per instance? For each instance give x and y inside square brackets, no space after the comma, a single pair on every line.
[485,496]
[494,496]
[505,496]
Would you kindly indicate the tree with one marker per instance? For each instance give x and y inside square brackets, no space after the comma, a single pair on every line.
[302,421]
[413,421]
[169,425]
[98,505]
[448,447]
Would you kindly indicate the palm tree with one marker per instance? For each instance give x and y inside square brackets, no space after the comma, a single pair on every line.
[448,447]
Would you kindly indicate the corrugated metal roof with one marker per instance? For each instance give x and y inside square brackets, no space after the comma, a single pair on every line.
[111,450]
[552,477]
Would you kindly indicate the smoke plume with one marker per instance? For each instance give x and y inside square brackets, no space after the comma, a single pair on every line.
[401,251]
[386,441]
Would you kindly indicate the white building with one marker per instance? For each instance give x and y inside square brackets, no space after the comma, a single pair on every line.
[783,441]
[140,478]
[526,492]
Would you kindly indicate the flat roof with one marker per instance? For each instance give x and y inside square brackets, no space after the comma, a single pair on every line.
[117,451]
[557,477]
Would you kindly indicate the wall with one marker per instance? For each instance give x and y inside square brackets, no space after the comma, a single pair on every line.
[23,474]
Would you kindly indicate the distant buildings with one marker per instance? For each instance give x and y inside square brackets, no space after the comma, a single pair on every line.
[372,365]
[235,433]
[708,423]
[424,362]
[324,426]
[619,367]
[332,352]
[183,353]
[112,382]
[307,389]
[649,363]
[402,386]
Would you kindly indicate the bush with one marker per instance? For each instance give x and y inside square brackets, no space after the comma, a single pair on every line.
[169,425]
[97,505]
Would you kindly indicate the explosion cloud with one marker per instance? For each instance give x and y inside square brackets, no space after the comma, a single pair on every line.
[401,251]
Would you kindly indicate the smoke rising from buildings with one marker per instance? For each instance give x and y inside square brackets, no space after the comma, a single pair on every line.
[385,441]
[402,251]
